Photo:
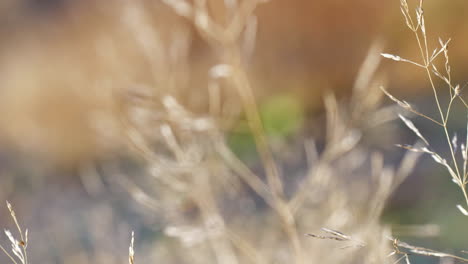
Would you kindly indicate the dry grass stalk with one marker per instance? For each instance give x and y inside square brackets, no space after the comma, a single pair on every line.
[398,246]
[131,250]
[456,169]
[18,248]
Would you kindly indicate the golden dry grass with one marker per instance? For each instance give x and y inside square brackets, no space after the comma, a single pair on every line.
[135,89]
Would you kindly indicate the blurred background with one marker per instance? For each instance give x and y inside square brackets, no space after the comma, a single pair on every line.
[64,65]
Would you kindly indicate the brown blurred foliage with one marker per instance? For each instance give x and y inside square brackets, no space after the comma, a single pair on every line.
[60,61]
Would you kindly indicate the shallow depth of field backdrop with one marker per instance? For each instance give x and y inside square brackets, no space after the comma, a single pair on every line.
[69,70]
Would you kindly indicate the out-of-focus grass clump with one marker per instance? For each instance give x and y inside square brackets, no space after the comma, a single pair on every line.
[220,131]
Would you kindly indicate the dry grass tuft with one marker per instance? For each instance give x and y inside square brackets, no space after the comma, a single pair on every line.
[193,165]
[18,247]
[457,164]
[216,207]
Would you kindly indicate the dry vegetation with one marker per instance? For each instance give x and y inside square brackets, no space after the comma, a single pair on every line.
[219,209]
[457,166]
[18,247]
